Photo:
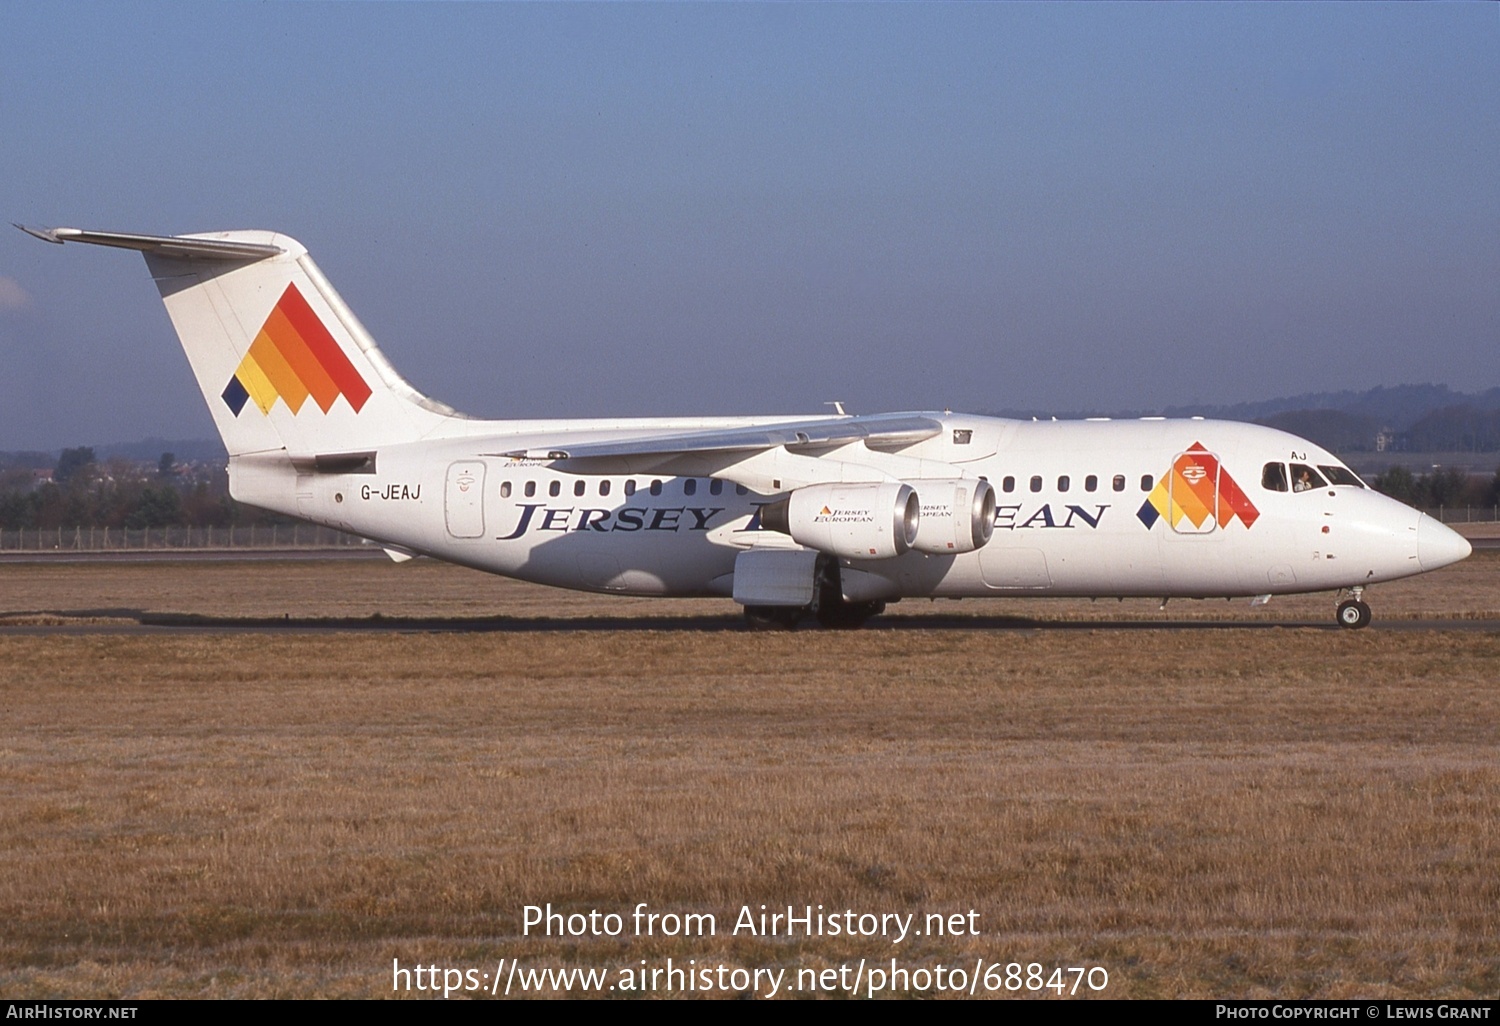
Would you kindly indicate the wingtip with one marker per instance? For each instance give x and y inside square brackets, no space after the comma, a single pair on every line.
[45,234]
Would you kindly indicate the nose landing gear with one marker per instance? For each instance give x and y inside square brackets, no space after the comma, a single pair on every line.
[1353,613]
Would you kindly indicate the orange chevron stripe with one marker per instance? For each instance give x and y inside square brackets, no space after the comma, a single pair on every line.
[323,347]
[300,358]
[1186,499]
[280,373]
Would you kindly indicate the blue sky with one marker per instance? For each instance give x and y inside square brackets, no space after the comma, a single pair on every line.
[647,209]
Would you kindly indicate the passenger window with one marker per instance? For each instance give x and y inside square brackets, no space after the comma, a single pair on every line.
[1273,477]
[554,489]
[1036,484]
[1341,476]
[1146,482]
[579,486]
[1063,482]
[603,487]
[630,487]
[504,489]
[1305,478]
[1118,484]
[715,487]
[530,489]
[690,487]
[740,489]
[1091,483]
[1008,485]
[656,487]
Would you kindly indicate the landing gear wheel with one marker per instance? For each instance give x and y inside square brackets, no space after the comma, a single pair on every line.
[773,618]
[1353,614]
[848,615]
[829,606]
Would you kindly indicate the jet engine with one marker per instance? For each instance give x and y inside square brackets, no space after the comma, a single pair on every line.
[858,521]
[957,516]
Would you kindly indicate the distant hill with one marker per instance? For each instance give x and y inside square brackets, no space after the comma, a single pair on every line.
[1411,418]
[1398,408]
[1415,418]
[189,450]
[148,450]
[1332,429]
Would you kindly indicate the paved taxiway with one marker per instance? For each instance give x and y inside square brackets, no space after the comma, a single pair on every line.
[236,591]
[695,624]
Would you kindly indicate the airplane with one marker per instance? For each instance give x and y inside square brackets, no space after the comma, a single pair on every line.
[830,517]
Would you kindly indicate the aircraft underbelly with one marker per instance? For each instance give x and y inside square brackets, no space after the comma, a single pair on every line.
[637,566]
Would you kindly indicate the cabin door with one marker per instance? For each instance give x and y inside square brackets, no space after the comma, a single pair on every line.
[1193,492]
[463,501]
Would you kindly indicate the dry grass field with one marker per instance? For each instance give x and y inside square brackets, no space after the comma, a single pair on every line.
[1239,809]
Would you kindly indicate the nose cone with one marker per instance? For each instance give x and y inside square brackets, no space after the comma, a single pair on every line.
[1438,545]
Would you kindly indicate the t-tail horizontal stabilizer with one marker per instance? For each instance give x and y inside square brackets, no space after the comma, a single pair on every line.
[283,363]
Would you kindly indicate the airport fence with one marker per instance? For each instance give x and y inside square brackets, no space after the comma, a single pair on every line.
[1465,514]
[119,539]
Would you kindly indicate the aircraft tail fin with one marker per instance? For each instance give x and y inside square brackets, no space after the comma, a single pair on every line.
[282,362]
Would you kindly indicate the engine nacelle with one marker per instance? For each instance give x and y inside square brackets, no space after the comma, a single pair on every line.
[857,521]
[957,515]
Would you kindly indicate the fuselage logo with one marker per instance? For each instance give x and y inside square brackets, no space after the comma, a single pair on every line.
[538,516]
[843,516]
[1195,489]
[294,357]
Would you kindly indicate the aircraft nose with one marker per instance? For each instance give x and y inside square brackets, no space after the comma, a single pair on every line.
[1439,545]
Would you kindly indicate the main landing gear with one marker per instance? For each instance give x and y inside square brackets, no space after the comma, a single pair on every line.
[837,615]
[773,618]
[828,606]
[1353,613]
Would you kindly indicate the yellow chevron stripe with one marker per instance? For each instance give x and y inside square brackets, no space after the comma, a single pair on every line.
[262,392]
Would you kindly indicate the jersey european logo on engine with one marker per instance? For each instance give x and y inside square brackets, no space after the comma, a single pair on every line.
[1196,489]
[292,358]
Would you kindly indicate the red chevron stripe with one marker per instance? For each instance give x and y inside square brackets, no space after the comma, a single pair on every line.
[323,347]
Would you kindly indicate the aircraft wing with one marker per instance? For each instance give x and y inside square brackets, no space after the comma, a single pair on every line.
[891,430]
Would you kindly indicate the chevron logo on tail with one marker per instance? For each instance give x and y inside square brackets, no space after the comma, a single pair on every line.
[294,357]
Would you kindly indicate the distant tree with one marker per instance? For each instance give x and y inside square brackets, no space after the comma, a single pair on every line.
[17,509]
[72,464]
[1446,487]
[1398,483]
[156,507]
[201,507]
[166,467]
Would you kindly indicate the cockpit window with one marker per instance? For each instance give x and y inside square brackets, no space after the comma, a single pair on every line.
[1305,478]
[1341,476]
[1273,477]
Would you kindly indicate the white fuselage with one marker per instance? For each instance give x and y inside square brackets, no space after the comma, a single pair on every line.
[1074,511]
